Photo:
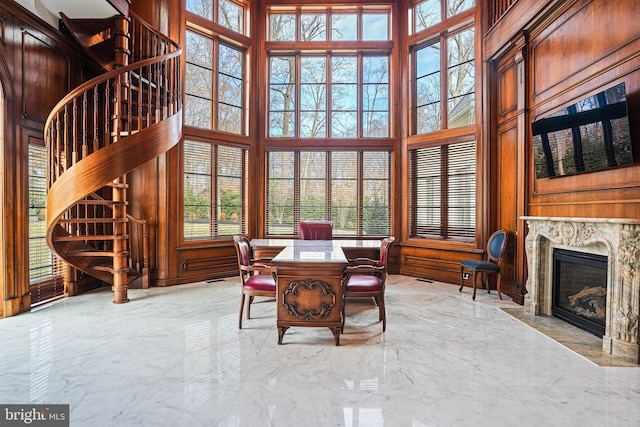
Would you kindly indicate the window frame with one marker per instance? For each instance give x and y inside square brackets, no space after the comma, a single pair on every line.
[446,211]
[438,32]
[330,49]
[214,192]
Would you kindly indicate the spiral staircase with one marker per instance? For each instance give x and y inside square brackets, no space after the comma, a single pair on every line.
[98,133]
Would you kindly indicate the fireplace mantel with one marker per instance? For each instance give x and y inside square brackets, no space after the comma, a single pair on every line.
[619,240]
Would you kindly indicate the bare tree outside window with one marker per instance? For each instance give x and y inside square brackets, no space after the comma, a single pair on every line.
[375,93]
[427,89]
[202,8]
[313,97]
[282,96]
[198,80]
[231,15]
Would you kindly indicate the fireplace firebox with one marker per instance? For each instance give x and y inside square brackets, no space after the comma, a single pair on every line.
[580,289]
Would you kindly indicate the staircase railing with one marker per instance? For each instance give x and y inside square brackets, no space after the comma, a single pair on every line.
[96,134]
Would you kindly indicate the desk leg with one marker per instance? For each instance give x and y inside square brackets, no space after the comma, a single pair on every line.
[281,331]
[336,334]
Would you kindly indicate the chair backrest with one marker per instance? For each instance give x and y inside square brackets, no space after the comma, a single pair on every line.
[496,244]
[316,230]
[243,249]
[385,245]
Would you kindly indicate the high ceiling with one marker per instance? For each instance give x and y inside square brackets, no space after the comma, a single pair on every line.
[49,10]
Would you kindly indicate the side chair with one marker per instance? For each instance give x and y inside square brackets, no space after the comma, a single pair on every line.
[495,248]
[365,278]
[258,280]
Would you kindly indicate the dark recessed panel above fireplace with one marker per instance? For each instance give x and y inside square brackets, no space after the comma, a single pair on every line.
[580,289]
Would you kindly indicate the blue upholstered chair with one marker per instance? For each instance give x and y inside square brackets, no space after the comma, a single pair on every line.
[258,280]
[365,278]
[316,230]
[495,247]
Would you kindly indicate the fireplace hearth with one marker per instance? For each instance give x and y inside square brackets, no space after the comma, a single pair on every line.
[616,239]
[580,289]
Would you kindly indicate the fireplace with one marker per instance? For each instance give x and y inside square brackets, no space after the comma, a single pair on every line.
[615,239]
[580,289]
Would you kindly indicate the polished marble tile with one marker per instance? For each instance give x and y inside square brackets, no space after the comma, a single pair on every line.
[174,356]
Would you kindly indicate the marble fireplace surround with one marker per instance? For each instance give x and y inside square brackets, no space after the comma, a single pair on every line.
[616,238]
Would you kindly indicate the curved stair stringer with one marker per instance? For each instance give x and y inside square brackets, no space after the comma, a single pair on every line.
[97,171]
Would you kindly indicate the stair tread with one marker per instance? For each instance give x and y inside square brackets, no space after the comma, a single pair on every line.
[96,253]
[100,202]
[92,237]
[91,220]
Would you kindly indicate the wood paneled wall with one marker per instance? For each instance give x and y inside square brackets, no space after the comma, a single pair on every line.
[38,66]
[543,56]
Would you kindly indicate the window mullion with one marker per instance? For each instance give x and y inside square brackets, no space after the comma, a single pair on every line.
[327,187]
[444,82]
[360,194]
[296,191]
[213,191]
[215,78]
[444,191]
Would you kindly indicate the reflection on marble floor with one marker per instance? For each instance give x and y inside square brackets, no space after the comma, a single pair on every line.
[175,357]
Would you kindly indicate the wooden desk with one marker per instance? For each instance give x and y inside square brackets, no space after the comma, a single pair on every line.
[309,289]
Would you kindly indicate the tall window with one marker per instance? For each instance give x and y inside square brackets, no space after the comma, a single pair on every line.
[442,198]
[214,190]
[215,66]
[350,188]
[445,75]
[443,181]
[45,269]
[341,94]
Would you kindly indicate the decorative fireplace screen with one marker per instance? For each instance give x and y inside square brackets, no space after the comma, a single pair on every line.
[580,289]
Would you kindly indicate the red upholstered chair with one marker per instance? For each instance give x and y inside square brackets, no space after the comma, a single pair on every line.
[495,248]
[258,280]
[316,230]
[365,278]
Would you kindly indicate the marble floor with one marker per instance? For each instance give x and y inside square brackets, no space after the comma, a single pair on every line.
[175,357]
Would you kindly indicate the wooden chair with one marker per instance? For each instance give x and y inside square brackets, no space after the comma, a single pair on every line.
[495,248]
[316,230]
[365,278]
[258,280]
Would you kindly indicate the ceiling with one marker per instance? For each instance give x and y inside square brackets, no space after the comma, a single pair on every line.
[49,10]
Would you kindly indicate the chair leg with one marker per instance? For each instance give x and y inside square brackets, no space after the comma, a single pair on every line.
[475,273]
[461,278]
[241,309]
[249,307]
[343,316]
[382,314]
[499,285]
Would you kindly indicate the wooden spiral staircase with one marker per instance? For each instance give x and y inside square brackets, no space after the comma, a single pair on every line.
[99,132]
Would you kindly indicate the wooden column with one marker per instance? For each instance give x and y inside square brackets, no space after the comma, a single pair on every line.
[119,194]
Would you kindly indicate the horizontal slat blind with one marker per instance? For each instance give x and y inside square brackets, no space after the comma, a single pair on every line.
[45,269]
[443,189]
[213,201]
[350,188]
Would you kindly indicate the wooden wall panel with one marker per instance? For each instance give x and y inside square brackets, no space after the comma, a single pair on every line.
[435,263]
[46,77]
[38,66]
[584,41]
[592,46]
